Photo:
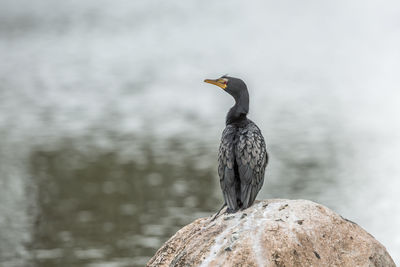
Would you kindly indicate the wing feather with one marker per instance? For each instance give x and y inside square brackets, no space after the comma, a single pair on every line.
[252,158]
[226,172]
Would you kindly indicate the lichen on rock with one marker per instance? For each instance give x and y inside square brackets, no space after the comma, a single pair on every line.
[276,232]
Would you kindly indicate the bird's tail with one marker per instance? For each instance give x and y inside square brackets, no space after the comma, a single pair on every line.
[215,216]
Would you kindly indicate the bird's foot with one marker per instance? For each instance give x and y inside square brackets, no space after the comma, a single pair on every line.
[228,210]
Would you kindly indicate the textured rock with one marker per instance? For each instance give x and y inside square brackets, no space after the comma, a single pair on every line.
[273,233]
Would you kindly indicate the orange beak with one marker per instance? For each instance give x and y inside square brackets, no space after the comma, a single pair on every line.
[218,82]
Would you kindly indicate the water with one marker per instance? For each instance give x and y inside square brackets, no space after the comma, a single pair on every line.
[109,137]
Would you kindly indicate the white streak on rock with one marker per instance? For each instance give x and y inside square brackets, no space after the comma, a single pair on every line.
[221,241]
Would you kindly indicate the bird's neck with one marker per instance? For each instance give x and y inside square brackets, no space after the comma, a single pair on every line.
[239,111]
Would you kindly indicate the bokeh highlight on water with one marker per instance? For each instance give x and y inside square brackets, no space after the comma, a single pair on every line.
[109,137]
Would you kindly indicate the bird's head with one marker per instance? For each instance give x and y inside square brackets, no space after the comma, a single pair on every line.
[234,86]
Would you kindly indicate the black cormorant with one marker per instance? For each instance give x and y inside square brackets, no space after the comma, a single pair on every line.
[242,153]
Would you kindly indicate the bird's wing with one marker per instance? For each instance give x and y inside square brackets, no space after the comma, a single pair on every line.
[226,160]
[252,158]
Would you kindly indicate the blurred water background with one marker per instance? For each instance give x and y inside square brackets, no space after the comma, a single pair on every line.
[109,137]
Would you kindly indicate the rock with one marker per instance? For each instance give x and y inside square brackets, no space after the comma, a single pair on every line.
[274,232]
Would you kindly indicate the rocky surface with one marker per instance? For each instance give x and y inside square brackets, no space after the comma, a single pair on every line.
[273,233]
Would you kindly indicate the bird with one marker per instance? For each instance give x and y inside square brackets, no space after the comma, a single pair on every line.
[242,156]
